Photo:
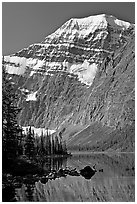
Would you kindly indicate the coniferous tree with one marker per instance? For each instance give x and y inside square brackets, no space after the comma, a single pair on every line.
[42,145]
[10,127]
[60,144]
[29,143]
[48,144]
[37,144]
[20,140]
[53,146]
[64,148]
[56,145]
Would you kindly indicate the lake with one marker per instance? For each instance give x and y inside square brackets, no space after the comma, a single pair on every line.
[113,180]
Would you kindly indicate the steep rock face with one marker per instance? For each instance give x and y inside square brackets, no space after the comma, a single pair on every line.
[82,74]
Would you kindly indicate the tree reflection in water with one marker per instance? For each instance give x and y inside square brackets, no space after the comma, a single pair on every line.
[115,172]
[48,164]
[54,163]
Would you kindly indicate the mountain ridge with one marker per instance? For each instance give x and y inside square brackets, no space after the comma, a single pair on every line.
[73,80]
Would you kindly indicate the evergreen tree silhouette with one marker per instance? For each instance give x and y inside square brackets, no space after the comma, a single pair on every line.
[53,145]
[42,145]
[10,127]
[48,144]
[29,144]
[64,148]
[37,144]
[56,145]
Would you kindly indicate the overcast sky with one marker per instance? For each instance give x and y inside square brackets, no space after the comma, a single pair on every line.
[25,23]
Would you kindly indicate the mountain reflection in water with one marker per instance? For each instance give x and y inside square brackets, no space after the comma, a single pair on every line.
[68,179]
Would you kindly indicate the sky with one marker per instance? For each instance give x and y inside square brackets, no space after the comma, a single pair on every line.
[25,23]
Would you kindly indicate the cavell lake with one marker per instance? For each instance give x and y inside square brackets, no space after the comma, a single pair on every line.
[61,180]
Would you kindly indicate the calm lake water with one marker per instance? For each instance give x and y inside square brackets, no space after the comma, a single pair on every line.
[114,180]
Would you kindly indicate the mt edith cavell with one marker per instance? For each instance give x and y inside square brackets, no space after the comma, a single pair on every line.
[79,83]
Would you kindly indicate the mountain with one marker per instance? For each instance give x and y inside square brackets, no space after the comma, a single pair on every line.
[79,82]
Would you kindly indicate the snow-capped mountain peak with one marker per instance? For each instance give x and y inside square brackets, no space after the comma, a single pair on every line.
[91,23]
[77,41]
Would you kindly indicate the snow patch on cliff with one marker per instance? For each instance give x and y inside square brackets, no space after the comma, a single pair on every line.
[39,64]
[86,72]
[38,131]
[123,24]
[24,90]
[15,65]
[15,70]
[16,60]
[31,97]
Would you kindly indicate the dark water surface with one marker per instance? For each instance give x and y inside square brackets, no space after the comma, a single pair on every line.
[114,180]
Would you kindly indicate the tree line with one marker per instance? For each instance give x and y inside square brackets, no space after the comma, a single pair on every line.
[45,144]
